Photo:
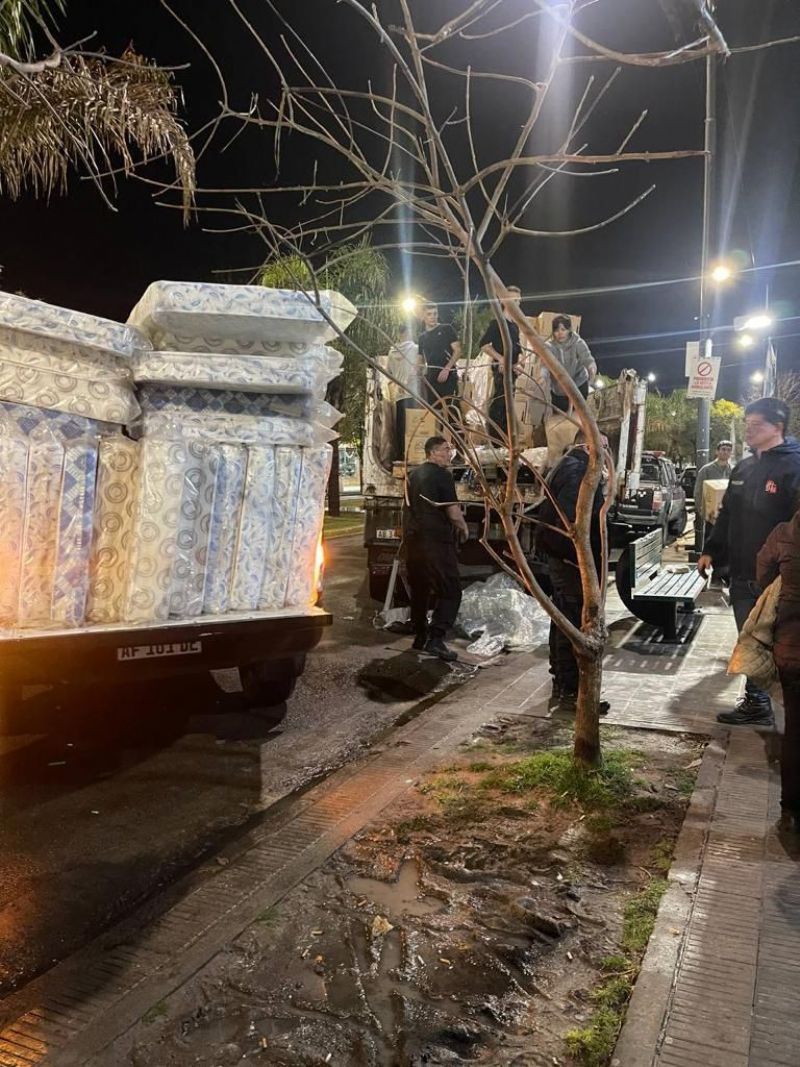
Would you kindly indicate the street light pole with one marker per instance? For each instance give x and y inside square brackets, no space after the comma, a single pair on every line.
[704,410]
[704,405]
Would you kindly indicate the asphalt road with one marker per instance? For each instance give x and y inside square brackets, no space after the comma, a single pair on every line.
[94,821]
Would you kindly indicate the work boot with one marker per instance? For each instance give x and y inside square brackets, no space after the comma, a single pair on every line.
[569,702]
[420,641]
[435,646]
[748,712]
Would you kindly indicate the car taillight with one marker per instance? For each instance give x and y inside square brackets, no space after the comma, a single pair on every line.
[658,500]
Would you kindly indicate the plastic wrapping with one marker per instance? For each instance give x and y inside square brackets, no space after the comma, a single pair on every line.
[75,528]
[225,521]
[27,418]
[40,534]
[288,469]
[300,590]
[303,374]
[187,592]
[117,486]
[62,357]
[255,530]
[499,607]
[155,529]
[48,321]
[238,429]
[235,319]
[80,394]
[13,482]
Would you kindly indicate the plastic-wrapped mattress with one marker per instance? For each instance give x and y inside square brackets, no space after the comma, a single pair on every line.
[237,429]
[305,373]
[48,322]
[255,530]
[236,319]
[316,467]
[78,393]
[187,400]
[117,489]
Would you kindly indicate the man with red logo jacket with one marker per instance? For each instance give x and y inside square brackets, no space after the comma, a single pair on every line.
[764,490]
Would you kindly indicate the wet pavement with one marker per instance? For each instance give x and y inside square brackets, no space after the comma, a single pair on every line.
[100,811]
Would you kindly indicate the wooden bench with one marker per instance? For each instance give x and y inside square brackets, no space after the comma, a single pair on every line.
[651,592]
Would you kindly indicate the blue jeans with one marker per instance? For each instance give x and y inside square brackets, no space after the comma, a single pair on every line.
[744,595]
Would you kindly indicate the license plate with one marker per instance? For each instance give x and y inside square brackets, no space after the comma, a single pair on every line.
[388,535]
[177,648]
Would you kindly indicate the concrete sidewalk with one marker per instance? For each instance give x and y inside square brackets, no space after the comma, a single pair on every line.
[720,984]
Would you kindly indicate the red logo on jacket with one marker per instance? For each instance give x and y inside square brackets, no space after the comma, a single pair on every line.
[770,487]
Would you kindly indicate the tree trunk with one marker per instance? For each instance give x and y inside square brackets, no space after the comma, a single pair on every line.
[586,749]
[334,501]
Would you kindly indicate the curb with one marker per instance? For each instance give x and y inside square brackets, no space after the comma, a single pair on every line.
[641,1033]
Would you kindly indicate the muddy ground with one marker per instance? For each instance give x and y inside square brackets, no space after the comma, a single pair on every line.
[479,921]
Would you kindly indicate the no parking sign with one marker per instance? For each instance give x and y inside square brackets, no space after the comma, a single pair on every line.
[703,372]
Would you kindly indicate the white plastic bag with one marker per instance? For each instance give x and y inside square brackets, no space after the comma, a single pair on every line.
[499,607]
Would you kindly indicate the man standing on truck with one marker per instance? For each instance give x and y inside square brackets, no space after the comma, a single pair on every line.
[719,467]
[492,345]
[432,524]
[572,352]
[440,350]
[564,485]
[764,490]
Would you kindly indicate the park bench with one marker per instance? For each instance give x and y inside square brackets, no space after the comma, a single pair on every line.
[652,592]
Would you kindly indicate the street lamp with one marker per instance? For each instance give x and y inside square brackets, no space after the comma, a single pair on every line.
[746,340]
[651,377]
[409,304]
[762,320]
[721,273]
[757,377]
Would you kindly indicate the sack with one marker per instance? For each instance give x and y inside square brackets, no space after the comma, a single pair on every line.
[753,652]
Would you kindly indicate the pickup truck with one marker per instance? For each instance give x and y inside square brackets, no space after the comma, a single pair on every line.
[659,499]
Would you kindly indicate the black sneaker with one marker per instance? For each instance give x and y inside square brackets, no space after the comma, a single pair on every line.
[419,642]
[748,714]
[435,646]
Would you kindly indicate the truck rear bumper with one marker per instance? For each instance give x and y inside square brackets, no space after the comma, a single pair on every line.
[121,653]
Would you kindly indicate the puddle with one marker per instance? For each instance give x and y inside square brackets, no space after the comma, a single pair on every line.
[401,897]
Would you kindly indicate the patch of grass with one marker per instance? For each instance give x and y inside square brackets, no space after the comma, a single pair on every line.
[456,798]
[640,915]
[556,772]
[480,765]
[268,917]
[593,1045]
[684,780]
[158,1011]
[645,802]
[340,525]
[661,856]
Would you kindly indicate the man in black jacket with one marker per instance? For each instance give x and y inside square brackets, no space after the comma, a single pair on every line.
[432,524]
[562,562]
[764,490]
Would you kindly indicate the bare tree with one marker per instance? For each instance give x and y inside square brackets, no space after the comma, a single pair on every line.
[403,151]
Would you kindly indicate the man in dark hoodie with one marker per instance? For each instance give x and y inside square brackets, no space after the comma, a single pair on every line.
[562,563]
[764,490]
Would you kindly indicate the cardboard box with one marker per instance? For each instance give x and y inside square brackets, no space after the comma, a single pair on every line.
[524,423]
[713,492]
[420,425]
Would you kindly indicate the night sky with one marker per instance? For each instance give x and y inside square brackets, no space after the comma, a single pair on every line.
[75,252]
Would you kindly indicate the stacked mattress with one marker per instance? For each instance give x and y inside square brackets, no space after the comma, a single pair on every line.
[172,467]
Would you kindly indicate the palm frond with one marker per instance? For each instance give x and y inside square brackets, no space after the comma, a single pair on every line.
[19,20]
[90,113]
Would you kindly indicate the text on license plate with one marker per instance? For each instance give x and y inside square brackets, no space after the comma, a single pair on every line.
[177,648]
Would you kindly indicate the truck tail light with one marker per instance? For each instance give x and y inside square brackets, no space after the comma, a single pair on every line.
[319,569]
[658,500]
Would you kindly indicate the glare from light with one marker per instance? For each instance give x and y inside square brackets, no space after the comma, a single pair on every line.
[761,321]
[757,376]
[746,340]
[651,377]
[599,384]
[721,273]
[409,304]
